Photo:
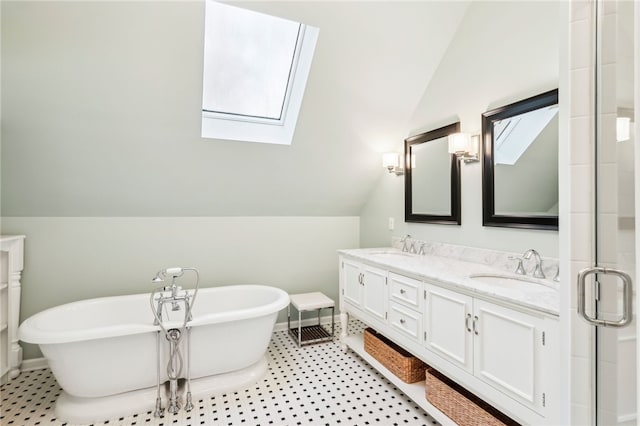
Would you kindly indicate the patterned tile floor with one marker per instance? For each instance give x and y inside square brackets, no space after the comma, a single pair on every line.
[317,384]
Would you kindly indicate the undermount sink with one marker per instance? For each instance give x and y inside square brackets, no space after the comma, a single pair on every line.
[390,253]
[508,280]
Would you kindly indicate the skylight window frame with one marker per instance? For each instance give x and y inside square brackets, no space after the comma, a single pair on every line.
[285,102]
[248,128]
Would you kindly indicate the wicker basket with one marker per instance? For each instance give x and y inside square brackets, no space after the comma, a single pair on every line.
[459,404]
[400,362]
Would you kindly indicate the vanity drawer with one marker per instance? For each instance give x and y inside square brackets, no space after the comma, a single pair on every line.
[405,320]
[406,291]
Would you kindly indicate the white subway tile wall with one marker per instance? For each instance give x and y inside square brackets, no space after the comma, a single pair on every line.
[581,199]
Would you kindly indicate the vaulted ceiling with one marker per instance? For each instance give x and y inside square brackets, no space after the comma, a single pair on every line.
[101,109]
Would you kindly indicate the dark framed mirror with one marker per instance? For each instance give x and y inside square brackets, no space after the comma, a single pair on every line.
[432,178]
[520,164]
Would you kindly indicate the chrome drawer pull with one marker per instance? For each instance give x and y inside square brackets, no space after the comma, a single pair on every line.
[466,323]
[402,321]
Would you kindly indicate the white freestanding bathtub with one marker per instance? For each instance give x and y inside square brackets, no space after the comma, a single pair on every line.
[103,351]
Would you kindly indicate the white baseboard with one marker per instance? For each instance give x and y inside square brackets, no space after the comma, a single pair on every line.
[34,364]
[282,326]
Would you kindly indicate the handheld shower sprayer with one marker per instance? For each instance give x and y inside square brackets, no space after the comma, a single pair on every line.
[168,272]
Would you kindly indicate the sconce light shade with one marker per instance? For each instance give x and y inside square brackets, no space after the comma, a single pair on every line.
[623,129]
[391,161]
[464,146]
[459,142]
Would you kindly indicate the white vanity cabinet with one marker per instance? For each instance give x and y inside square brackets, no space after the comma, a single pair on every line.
[503,352]
[11,265]
[501,346]
[365,287]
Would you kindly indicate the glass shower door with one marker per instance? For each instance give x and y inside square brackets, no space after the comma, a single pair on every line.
[612,282]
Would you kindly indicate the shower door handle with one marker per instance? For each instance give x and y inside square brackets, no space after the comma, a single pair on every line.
[627,306]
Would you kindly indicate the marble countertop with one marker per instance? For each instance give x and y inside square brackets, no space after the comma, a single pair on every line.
[540,295]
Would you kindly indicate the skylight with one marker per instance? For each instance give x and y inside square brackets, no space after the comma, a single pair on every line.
[255,73]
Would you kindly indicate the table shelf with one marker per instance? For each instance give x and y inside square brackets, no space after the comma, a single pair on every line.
[415,391]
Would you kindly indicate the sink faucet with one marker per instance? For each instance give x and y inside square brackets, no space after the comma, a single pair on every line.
[537,272]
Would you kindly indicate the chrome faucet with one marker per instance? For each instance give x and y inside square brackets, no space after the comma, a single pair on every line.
[405,247]
[175,290]
[175,306]
[537,272]
[175,299]
[176,296]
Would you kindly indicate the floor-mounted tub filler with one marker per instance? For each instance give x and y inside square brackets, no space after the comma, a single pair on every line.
[113,358]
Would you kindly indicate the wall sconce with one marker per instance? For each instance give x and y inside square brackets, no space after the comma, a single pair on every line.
[391,161]
[464,146]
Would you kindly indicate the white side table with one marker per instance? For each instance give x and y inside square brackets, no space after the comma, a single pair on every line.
[311,334]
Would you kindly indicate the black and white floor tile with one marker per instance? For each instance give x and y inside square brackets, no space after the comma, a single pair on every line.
[318,384]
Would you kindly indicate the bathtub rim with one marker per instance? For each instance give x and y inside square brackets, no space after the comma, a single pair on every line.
[30,332]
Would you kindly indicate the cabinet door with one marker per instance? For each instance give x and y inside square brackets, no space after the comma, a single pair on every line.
[507,351]
[448,325]
[374,299]
[352,282]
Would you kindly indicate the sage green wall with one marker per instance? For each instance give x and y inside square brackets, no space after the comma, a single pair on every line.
[105,172]
[75,258]
[502,52]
